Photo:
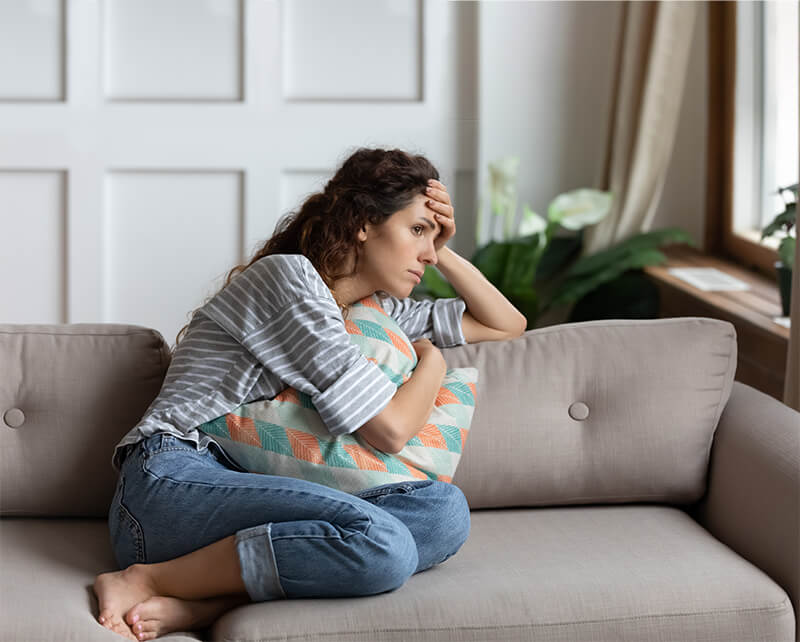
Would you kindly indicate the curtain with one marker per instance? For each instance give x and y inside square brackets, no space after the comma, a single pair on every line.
[655,40]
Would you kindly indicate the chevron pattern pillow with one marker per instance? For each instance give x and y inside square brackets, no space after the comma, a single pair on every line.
[286,436]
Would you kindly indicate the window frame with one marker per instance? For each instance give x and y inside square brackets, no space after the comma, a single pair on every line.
[720,239]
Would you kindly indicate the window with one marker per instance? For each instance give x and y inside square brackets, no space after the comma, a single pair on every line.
[765,120]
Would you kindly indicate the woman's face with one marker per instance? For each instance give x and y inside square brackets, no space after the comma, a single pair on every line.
[402,244]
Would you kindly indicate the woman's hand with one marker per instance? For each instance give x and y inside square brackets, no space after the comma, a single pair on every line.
[444,213]
[424,348]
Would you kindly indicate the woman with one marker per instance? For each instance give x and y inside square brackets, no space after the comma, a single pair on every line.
[195,533]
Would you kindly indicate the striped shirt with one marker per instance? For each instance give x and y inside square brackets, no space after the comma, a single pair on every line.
[277,325]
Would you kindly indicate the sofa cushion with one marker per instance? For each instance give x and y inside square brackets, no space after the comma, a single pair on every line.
[67,395]
[578,573]
[286,436]
[607,411]
[48,569]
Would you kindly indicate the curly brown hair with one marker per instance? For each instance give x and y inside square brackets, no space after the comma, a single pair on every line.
[370,186]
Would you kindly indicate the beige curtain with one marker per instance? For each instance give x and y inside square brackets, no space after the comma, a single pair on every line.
[655,39]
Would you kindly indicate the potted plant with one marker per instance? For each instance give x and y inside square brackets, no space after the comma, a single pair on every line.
[537,270]
[784,222]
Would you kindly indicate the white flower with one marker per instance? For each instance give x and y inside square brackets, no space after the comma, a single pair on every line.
[503,176]
[579,208]
[531,222]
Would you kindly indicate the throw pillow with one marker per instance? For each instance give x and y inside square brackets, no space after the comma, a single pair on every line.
[285,436]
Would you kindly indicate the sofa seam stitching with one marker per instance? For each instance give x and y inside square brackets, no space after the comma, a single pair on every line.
[777,607]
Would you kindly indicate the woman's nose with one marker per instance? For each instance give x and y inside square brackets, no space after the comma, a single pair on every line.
[430,255]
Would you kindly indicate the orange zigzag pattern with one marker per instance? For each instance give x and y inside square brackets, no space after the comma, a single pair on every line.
[371,303]
[431,437]
[364,459]
[351,327]
[290,395]
[445,397]
[398,343]
[304,446]
[415,471]
[242,429]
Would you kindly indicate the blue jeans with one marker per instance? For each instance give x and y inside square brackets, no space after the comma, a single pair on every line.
[294,538]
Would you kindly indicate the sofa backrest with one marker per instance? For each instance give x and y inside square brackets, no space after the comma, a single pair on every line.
[610,411]
[68,394]
[592,412]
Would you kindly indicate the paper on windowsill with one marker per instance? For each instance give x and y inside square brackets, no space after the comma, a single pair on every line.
[784,321]
[708,279]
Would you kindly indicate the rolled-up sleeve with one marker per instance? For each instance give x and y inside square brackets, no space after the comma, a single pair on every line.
[439,320]
[300,337]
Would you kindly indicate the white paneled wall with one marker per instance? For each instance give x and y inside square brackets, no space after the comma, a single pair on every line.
[32,258]
[31,50]
[148,146]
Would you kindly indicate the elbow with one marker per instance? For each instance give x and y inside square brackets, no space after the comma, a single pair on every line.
[519,328]
[381,433]
[394,449]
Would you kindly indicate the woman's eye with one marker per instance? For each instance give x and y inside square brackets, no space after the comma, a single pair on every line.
[417,227]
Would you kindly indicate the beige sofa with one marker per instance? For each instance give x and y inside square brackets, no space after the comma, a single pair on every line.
[623,487]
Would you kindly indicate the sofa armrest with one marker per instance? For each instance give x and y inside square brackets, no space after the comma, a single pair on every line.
[752,504]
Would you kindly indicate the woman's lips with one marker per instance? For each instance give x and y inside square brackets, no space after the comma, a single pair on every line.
[414,274]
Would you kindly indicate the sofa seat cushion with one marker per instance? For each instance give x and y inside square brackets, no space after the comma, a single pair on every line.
[47,569]
[622,573]
[630,572]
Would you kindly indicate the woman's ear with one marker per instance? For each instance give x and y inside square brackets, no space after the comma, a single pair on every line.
[362,234]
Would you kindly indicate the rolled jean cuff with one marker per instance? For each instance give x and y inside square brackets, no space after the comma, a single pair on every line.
[257,561]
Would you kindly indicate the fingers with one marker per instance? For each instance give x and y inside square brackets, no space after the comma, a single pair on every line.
[438,193]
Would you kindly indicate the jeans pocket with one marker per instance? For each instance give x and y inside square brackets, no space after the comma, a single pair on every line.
[127,539]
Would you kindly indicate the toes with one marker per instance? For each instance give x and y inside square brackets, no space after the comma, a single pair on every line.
[145,627]
[123,630]
[150,609]
[133,616]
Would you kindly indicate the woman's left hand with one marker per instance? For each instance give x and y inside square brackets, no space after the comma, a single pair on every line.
[444,213]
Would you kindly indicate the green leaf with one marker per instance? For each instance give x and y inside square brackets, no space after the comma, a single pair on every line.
[580,285]
[786,251]
[491,261]
[436,285]
[786,218]
[588,265]
[520,266]
[557,254]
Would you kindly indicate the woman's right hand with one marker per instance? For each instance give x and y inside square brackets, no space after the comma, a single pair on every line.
[424,348]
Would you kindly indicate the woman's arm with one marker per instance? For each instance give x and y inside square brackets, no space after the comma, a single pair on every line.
[489,315]
[411,405]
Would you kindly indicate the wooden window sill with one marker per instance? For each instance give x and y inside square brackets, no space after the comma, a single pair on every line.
[762,343]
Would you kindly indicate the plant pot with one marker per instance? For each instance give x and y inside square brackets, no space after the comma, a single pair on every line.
[785,285]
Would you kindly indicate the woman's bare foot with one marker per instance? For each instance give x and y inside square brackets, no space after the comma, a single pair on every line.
[118,592]
[160,615]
